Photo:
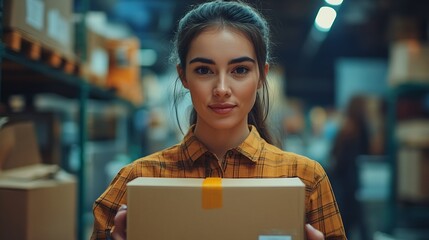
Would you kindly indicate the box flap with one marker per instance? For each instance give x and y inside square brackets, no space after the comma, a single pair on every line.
[60,177]
[32,172]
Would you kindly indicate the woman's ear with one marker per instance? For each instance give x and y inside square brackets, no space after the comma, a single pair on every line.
[266,68]
[182,77]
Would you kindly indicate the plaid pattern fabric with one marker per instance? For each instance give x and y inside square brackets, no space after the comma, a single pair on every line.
[254,158]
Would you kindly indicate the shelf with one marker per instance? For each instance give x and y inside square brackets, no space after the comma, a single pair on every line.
[410,87]
[21,75]
[415,212]
[400,213]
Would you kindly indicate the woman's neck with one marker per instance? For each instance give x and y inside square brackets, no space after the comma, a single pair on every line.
[219,141]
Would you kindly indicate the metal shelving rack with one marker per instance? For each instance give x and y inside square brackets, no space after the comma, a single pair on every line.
[396,211]
[45,79]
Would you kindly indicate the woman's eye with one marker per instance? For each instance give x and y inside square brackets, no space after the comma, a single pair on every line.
[241,70]
[203,70]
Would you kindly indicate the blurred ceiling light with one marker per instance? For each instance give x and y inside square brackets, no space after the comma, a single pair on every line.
[147,57]
[325,18]
[334,2]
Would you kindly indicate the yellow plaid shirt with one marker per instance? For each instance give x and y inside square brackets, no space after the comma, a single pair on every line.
[254,158]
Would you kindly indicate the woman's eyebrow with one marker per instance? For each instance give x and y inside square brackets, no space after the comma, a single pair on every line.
[232,61]
[242,59]
[202,60]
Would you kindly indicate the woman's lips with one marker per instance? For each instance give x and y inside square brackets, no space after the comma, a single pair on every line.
[222,108]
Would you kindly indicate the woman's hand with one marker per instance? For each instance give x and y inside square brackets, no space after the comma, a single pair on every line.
[312,233]
[119,231]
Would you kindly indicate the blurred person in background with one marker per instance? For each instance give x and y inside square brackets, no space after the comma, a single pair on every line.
[351,141]
[222,55]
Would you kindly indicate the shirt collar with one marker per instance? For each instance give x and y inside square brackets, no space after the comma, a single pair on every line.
[251,147]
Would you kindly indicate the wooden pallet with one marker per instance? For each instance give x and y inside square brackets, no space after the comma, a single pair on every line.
[33,49]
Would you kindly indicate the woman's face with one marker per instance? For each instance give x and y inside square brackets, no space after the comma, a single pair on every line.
[222,76]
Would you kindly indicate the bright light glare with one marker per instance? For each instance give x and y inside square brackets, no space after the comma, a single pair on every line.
[325,18]
[334,2]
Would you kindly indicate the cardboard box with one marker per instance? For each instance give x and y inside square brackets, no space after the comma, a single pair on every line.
[60,26]
[124,68]
[18,146]
[96,65]
[48,133]
[37,201]
[215,208]
[38,209]
[413,133]
[413,175]
[408,62]
[413,160]
[49,22]
[112,60]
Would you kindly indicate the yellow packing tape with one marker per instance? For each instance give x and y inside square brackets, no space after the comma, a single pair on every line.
[212,193]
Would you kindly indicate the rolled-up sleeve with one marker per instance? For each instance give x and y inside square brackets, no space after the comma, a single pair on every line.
[322,208]
[106,206]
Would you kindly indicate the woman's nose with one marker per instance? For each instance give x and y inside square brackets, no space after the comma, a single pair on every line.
[222,88]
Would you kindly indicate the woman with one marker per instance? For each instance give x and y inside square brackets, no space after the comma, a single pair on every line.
[351,141]
[222,51]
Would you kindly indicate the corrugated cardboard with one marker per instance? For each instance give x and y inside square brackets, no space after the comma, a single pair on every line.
[408,62]
[31,24]
[18,146]
[60,26]
[176,208]
[413,160]
[38,209]
[124,69]
[37,201]
[413,174]
[32,172]
[413,133]
[96,65]
[48,22]
[47,126]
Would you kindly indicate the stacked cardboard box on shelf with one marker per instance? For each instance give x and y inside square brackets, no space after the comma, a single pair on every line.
[124,69]
[37,201]
[112,59]
[408,62]
[47,125]
[413,161]
[48,22]
[96,66]
[96,62]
